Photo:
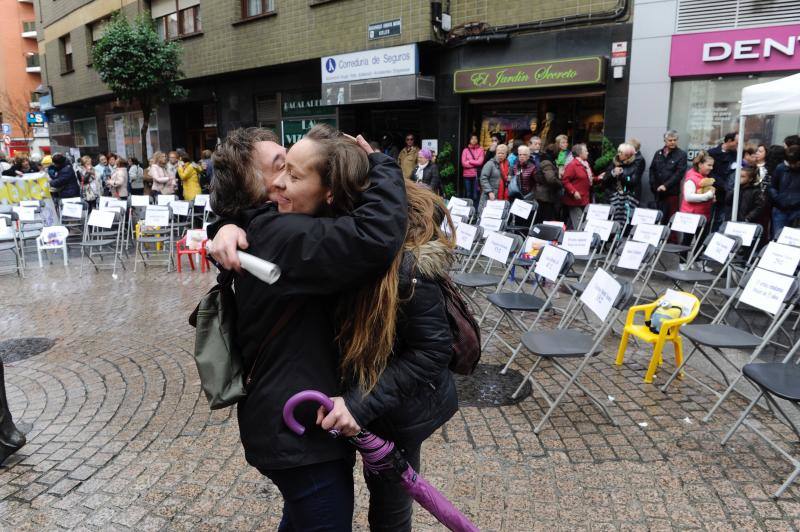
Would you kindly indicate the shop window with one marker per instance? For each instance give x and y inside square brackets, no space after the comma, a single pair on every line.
[65,44]
[85,132]
[176,19]
[704,110]
[257,8]
[268,111]
[124,133]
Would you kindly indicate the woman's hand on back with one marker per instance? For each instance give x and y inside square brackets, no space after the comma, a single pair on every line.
[227,241]
[338,419]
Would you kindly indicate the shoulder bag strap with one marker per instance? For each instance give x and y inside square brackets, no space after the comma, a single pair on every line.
[276,329]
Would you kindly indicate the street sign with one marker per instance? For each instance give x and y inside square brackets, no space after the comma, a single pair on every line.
[389,28]
[6,129]
[36,118]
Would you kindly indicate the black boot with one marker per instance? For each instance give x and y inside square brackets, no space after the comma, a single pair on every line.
[11,439]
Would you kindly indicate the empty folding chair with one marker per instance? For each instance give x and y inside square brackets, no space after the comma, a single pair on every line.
[658,237]
[750,234]
[468,242]
[155,244]
[466,213]
[72,215]
[521,215]
[198,209]
[102,238]
[773,380]
[690,227]
[586,247]
[605,298]
[597,211]
[608,231]
[181,218]
[9,245]
[718,335]
[493,216]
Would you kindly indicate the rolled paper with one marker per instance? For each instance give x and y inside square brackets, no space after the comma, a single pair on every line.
[260,268]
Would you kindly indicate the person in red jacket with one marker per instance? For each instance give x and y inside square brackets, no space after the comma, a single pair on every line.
[471,161]
[578,180]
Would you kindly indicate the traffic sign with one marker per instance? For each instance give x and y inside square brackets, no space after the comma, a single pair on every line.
[6,129]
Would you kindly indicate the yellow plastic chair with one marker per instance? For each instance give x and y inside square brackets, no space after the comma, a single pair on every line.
[670,332]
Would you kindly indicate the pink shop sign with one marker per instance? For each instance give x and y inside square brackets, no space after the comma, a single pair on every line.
[736,51]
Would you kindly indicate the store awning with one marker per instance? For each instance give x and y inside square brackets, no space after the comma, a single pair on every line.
[775,97]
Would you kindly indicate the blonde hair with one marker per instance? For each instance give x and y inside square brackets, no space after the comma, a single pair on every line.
[368,328]
[561,137]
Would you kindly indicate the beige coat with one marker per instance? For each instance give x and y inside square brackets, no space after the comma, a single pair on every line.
[118,183]
[407,159]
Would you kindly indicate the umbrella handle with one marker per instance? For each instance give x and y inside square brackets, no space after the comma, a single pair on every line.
[302,397]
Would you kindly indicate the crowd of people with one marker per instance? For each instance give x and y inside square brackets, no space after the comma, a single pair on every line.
[563,180]
[115,176]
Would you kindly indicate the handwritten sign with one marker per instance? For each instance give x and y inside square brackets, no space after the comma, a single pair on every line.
[685,222]
[790,236]
[598,211]
[521,208]
[579,243]
[679,299]
[601,227]
[181,208]
[719,248]
[780,258]
[200,200]
[118,203]
[460,210]
[102,219]
[649,233]
[165,199]
[465,236]
[26,214]
[156,216]
[632,255]
[493,212]
[72,210]
[140,201]
[30,203]
[456,201]
[550,262]
[601,293]
[766,290]
[744,231]
[491,224]
[644,216]
[497,247]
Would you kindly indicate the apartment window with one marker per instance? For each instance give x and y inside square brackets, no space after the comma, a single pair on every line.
[66,54]
[257,8]
[32,60]
[34,97]
[94,32]
[268,111]
[28,26]
[85,132]
[175,19]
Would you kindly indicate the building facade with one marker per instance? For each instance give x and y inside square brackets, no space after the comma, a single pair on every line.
[20,76]
[380,68]
[691,59]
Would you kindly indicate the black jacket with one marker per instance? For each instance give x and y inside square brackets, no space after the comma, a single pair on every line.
[630,180]
[416,393]
[319,258]
[67,182]
[668,171]
[723,172]
[430,177]
[751,203]
[784,190]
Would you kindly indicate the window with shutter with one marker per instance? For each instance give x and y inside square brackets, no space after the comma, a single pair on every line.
[712,15]
[268,111]
[175,19]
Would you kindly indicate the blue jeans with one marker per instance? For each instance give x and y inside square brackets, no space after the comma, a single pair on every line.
[781,219]
[471,189]
[316,497]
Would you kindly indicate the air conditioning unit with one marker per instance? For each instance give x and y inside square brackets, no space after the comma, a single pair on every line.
[391,89]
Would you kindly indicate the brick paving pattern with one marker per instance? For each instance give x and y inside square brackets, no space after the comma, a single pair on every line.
[121,438]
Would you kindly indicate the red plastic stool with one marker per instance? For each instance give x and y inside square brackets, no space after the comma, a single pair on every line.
[180,247]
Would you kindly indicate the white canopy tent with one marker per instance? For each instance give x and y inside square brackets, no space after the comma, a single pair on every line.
[781,96]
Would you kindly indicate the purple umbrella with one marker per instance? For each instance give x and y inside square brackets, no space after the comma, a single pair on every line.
[381,457]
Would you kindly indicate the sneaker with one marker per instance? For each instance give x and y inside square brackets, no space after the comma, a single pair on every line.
[683,267]
[708,269]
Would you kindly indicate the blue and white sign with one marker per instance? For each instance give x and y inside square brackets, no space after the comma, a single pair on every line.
[6,129]
[370,64]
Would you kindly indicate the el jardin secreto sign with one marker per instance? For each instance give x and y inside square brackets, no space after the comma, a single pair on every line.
[539,74]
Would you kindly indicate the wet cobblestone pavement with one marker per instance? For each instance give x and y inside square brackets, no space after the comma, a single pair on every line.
[120,437]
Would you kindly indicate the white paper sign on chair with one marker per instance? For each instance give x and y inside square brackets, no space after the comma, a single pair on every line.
[491,224]
[649,233]
[644,216]
[790,236]
[103,201]
[156,217]
[72,210]
[521,208]
[165,199]
[456,201]
[744,231]
[497,247]
[579,243]
[598,211]
[780,258]
[30,203]
[26,214]
[181,208]
[495,210]
[632,255]
[118,203]
[200,200]
[601,227]
[601,293]
[102,219]
[465,236]
[685,222]
[719,248]
[766,290]
[140,201]
[550,262]
[460,210]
